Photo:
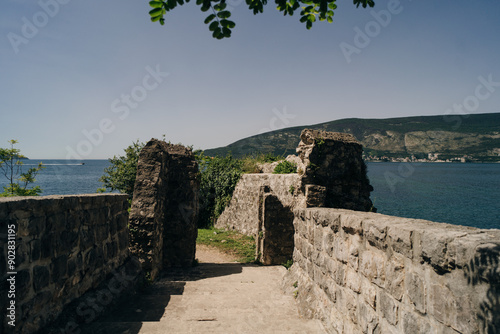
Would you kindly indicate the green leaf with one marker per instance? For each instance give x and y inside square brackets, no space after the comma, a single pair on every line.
[227,24]
[224,14]
[226,32]
[156,4]
[220,6]
[155,18]
[213,26]
[209,18]
[156,12]
[329,19]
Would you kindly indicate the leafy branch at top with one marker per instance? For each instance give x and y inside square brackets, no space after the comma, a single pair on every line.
[220,26]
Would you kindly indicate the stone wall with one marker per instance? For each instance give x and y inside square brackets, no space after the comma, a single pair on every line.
[330,173]
[163,217]
[275,239]
[242,214]
[332,163]
[65,246]
[370,273]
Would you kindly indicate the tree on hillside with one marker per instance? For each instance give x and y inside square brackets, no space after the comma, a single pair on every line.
[121,174]
[11,165]
[220,25]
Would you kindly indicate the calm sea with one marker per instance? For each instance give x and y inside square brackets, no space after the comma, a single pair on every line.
[463,194]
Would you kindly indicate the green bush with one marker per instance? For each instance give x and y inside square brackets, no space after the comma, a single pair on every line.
[218,178]
[121,174]
[285,167]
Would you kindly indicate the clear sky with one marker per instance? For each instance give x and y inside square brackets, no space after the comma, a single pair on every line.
[87,78]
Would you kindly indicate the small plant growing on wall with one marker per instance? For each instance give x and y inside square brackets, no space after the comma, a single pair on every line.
[291,190]
[285,167]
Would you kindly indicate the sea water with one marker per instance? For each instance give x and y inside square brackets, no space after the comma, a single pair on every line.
[457,193]
[462,194]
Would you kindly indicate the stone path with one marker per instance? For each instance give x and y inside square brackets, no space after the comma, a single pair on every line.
[217,296]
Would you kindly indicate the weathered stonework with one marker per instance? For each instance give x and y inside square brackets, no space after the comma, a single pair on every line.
[330,173]
[370,273]
[65,246]
[164,209]
[244,211]
[334,161]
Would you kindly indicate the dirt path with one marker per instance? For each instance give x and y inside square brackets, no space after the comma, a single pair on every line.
[217,296]
[207,254]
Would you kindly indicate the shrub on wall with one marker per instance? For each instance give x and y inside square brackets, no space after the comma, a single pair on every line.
[285,167]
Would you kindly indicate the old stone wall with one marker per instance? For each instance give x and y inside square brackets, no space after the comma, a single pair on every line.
[64,247]
[163,217]
[243,212]
[330,173]
[334,169]
[276,231]
[370,273]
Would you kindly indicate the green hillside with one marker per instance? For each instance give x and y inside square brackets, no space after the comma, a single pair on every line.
[450,135]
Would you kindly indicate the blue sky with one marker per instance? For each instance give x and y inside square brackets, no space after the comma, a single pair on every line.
[92,77]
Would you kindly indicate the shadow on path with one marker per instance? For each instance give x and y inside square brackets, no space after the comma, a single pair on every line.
[149,304]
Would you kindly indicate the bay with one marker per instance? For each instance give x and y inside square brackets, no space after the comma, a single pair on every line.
[463,194]
[456,193]
[66,177]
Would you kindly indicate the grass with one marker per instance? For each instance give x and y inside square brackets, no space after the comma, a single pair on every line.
[233,243]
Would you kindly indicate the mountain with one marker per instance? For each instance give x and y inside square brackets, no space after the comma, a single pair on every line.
[475,135]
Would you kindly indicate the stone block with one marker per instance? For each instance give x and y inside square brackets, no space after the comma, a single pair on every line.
[434,242]
[375,232]
[340,249]
[388,307]
[367,318]
[415,324]
[56,222]
[315,195]
[399,237]
[36,225]
[353,280]
[23,284]
[35,250]
[318,238]
[58,268]
[372,266]
[41,277]
[22,251]
[416,291]
[369,292]
[395,274]
[352,223]
[353,252]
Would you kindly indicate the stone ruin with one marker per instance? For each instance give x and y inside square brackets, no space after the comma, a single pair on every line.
[334,173]
[164,213]
[330,173]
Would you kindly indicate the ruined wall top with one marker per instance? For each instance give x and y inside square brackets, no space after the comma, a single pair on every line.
[309,135]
